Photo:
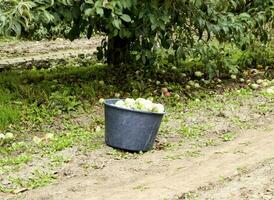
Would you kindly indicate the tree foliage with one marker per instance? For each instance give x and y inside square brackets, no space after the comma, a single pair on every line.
[135,30]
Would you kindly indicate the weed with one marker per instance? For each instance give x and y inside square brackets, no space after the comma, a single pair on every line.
[242,93]
[140,187]
[165,145]
[239,152]
[173,157]
[210,142]
[8,113]
[263,108]
[5,189]
[73,136]
[193,131]
[38,179]
[119,154]
[237,121]
[195,153]
[39,114]
[23,158]
[59,160]
[189,196]
[228,136]
[267,94]
[242,170]
[63,101]
[97,121]
[224,180]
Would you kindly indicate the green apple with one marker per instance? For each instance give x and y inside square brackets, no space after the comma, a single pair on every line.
[197,85]
[101,82]
[9,136]
[233,77]
[199,74]
[259,81]
[254,86]
[188,87]
[101,100]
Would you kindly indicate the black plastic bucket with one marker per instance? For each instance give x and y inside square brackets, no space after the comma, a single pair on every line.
[130,130]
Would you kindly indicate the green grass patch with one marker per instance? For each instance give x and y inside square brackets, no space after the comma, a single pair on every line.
[74,136]
[9,113]
[228,136]
[194,131]
[15,161]
[39,178]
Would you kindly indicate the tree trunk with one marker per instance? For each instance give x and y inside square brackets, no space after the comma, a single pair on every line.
[118,51]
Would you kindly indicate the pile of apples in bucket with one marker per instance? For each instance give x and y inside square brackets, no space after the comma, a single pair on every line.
[140,104]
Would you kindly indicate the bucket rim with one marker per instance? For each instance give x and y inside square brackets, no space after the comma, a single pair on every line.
[127,109]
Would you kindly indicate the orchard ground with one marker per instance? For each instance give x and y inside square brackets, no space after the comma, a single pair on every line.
[216,141]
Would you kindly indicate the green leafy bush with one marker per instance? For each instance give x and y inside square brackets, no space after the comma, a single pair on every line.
[143,26]
[63,101]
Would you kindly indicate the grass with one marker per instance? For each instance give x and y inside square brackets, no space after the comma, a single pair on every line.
[22,159]
[228,136]
[63,102]
[240,123]
[74,136]
[84,140]
[140,187]
[173,157]
[9,113]
[189,196]
[59,160]
[120,155]
[242,170]
[39,179]
[194,131]
[209,142]
[7,39]
[194,153]
[263,108]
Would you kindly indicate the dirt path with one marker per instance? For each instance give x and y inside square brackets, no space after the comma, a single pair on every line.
[20,53]
[257,184]
[169,174]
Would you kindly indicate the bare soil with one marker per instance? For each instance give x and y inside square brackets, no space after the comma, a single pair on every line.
[256,184]
[240,169]
[23,48]
[24,53]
